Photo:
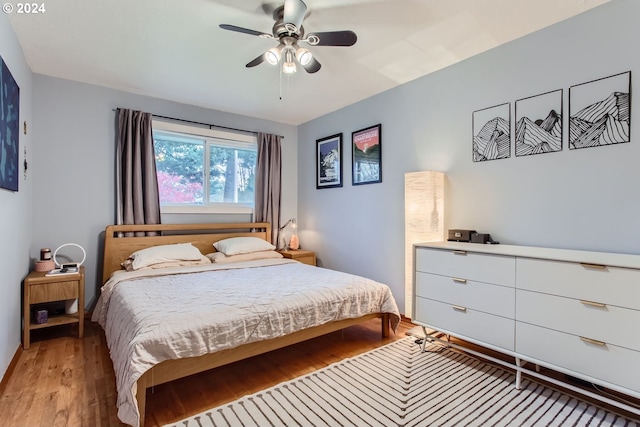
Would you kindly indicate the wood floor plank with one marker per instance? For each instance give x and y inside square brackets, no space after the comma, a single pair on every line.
[66,382]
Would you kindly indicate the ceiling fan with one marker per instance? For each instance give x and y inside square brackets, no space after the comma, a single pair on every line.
[288,30]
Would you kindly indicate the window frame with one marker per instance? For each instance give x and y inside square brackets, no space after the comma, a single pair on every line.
[228,138]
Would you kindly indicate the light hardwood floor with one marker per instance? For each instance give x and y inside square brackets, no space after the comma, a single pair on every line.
[62,381]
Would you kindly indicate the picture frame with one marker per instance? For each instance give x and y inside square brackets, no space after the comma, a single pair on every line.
[539,124]
[491,129]
[329,161]
[9,129]
[366,159]
[600,112]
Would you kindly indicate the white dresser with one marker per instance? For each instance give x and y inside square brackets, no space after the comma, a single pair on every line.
[575,312]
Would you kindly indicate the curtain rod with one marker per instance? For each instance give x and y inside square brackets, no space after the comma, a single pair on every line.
[203,124]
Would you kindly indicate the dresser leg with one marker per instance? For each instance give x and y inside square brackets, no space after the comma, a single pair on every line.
[518,372]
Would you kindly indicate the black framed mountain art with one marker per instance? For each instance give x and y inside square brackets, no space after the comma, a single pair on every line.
[539,124]
[492,133]
[600,112]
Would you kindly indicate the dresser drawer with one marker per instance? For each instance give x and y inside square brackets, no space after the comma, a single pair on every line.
[610,363]
[610,285]
[467,265]
[493,299]
[53,292]
[466,324]
[609,323]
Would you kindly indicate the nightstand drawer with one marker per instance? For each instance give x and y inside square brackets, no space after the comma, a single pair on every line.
[47,292]
[303,256]
[306,259]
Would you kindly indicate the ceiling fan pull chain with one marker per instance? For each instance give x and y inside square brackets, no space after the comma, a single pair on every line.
[280,83]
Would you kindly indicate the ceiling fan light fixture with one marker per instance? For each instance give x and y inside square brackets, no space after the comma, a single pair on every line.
[272,56]
[303,56]
[288,66]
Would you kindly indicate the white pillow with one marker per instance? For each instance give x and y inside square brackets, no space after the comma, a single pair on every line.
[242,245]
[128,264]
[219,257]
[164,253]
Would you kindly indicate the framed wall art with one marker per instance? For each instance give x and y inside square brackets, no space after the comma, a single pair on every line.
[600,112]
[539,124]
[9,129]
[329,161]
[366,160]
[492,133]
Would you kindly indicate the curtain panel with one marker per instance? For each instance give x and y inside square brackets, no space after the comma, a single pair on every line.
[268,182]
[138,200]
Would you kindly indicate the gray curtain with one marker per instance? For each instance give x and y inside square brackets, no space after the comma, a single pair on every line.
[268,179]
[138,200]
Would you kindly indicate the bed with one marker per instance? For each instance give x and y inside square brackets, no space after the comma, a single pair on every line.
[162,324]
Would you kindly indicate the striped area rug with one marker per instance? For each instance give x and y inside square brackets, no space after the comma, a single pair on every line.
[397,385]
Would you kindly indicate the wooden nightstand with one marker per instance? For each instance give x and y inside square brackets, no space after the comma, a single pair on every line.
[305,257]
[39,288]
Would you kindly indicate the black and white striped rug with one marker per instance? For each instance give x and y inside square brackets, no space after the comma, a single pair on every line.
[397,385]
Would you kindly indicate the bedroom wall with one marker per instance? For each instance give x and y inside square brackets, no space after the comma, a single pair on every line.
[15,208]
[579,199]
[74,169]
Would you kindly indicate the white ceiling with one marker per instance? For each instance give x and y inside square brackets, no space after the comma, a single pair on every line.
[175,50]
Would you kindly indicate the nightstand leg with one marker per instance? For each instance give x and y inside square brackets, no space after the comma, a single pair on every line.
[26,318]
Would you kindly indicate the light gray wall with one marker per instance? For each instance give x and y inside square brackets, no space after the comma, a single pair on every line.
[579,199]
[74,169]
[15,207]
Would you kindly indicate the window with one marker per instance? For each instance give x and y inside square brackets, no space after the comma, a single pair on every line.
[204,170]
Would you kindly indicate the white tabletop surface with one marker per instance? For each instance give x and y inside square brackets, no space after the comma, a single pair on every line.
[588,257]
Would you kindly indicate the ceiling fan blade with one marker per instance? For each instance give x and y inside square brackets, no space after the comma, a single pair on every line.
[332,38]
[294,11]
[245,31]
[312,66]
[259,60]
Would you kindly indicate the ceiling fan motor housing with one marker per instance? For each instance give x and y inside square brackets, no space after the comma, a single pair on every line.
[280,29]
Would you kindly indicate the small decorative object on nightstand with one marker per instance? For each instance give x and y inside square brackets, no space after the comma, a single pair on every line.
[305,257]
[287,236]
[40,288]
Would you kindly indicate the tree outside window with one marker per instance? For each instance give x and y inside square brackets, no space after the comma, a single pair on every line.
[183,161]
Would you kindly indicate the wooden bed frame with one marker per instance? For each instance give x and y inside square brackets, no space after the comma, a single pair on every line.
[122,240]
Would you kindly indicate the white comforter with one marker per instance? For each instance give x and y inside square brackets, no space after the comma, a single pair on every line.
[204,309]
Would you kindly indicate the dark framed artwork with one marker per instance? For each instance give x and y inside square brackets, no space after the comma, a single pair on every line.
[329,161]
[366,160]
[539,124]
[600,112]
[492,133]
[9,129]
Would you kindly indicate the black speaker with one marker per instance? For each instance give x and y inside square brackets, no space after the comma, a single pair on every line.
[480,237]
[457,235]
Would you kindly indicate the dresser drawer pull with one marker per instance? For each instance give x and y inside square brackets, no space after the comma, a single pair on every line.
[593,266]
[593,304]
[459,252]
[594,342]
[457,280]
[458,308]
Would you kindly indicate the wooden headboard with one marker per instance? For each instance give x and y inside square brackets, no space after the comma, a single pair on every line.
[122,240]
